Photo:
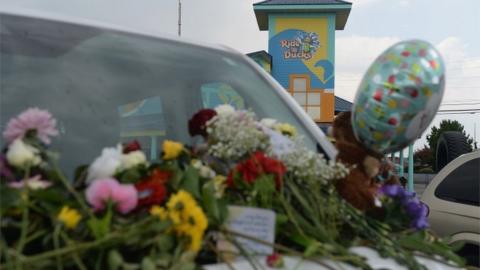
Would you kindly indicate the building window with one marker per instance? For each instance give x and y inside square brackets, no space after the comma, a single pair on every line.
[309,99]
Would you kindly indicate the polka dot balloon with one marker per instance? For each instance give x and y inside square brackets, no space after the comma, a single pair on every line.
[398,96]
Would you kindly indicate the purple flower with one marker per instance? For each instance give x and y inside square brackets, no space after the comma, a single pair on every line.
[415,208]
[420,223]
[5,170]
[31,119]
[392,190]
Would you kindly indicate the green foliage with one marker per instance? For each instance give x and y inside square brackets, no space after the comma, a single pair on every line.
[423,158]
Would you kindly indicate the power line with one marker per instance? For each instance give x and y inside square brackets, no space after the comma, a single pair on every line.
[461,110]
[457,113]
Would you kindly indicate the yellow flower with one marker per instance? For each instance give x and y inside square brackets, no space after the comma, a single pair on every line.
[177,204]
[159,211]
[188,218]
[194,223]
[195,242]
[171,149]
[219,183]
[69,217]
[287,129]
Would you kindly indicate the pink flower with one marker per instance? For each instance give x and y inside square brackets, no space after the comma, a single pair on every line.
[31,119]
[101,191]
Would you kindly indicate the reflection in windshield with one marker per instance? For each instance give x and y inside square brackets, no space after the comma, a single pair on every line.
[105,86]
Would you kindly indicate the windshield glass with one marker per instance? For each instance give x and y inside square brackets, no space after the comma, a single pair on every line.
[105,86]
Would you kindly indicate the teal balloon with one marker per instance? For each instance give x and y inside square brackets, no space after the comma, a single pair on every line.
[398,96]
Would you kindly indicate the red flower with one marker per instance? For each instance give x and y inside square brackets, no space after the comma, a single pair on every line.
[197,125]
[152,189]
[131,146]
[258,164]
[150,192]
[275,260]
[159,176]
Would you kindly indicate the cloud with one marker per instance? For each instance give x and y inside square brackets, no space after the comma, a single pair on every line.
[354,55]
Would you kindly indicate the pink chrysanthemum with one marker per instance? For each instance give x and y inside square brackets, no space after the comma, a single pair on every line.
[31,119]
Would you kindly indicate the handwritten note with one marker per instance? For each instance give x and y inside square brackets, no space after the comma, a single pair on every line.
[254,222]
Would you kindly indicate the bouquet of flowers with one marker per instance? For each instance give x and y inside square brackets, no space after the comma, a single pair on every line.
[124,212]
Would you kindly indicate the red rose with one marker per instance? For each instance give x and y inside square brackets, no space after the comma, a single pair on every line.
[275,260]
[197,125]
[150,192]
[131,146]
[258,164]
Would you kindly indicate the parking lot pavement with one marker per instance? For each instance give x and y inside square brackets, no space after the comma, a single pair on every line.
[419,188]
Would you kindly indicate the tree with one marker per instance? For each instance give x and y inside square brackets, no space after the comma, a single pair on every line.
[445,125]
[423,157]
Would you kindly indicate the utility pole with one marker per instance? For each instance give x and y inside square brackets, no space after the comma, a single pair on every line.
[179,18]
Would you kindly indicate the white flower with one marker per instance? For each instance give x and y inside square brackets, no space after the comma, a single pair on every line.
[33,183]
[224,109]
[133,159]
[203,170]
[106,164]
[269,122]
[206,172]
[281,145]
[21,155]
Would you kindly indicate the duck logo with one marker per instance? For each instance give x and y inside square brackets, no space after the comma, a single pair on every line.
[302,46]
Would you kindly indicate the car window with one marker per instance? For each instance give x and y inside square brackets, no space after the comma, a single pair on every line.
[462,184]
[106,86]
[214,94]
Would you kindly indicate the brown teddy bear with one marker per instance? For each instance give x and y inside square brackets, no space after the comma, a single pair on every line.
[359,188]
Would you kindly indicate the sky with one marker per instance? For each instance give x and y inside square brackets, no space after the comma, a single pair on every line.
[373,25]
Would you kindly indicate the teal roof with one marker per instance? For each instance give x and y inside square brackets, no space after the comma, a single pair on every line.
[302,2]
[339,7]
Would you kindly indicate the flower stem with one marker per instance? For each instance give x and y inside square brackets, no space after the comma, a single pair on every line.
[278,247]
[56,243]
[72,190]
[77,259]
[24,224]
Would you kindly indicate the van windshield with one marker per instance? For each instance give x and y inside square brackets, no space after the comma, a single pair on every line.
[106,87]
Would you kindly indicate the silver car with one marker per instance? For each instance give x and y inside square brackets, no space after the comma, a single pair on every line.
[453,200]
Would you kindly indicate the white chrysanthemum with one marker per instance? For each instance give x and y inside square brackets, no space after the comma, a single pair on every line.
[106,164]
[224,109]
[21,155]
[133,159]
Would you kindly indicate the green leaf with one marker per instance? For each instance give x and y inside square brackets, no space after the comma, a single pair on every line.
[191,181]
[115,259]
[148,264]
[9,198]
[101,227]
[188,266]
[216,209]
[132,175]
